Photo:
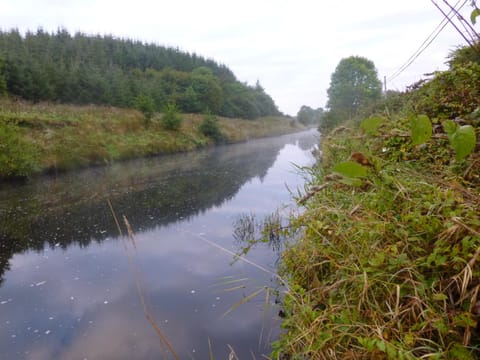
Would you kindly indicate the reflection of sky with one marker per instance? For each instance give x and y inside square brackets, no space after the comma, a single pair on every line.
[264,196]
[81,303]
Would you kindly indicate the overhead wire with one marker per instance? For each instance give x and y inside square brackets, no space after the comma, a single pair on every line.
[427,42]
[469,29]
[450,19]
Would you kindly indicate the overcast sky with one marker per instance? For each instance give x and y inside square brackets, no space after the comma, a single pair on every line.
[290,46]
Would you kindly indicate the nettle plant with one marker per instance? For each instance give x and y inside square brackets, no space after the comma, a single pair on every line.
[462,138]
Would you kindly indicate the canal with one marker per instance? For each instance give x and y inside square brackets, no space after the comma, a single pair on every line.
[74,284]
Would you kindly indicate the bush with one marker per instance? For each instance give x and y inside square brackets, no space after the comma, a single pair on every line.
[146,105]
[171,120]
[18,157]
[210,127]
[450,93]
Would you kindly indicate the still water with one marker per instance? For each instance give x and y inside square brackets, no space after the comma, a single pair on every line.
[72,288]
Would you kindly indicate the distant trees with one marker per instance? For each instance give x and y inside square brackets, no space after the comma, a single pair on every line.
[97,69]
[308,116]
[3,83]
[354,87]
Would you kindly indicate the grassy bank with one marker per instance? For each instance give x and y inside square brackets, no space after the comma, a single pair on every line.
[42,137]
[387,266]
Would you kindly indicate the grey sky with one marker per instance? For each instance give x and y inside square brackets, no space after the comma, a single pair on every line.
[292,47]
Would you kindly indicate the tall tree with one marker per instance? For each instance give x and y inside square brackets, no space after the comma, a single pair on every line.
[308,116]
[86,69]
[354,86]
[3,83]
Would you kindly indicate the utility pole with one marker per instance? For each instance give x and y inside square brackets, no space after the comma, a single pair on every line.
[385,85]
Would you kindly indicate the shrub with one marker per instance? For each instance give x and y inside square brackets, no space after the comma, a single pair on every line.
[210,127]
[18,157]
[146,105]
[171,119]
[450,93]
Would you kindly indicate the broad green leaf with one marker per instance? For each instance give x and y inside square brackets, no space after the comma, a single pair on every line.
[350,169]
[421,129]
[473,16]
[351,181]
[450,127]
[371,125]
[463,141]
[381,345]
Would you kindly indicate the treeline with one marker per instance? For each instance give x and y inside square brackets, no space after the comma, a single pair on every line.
[83,69]
[355,91]
[308,116]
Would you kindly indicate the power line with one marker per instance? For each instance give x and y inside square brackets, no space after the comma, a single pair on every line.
[451,21]
[428,41]
[424,45]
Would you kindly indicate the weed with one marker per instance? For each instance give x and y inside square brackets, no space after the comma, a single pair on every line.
[18,156]
[387,266]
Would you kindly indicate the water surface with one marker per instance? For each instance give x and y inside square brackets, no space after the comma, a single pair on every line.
[69,283]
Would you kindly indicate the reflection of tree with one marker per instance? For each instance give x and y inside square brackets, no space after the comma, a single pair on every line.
[149,192]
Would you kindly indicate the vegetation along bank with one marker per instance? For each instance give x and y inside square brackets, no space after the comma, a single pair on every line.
[44,137]
[388,261]
[68,101]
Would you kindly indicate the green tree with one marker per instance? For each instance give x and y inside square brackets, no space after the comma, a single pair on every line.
[171,119]
[207,89]
[86,69]
[190,102]
[146,105]
[3,83]
[308,116]
[210,127]
[354,87]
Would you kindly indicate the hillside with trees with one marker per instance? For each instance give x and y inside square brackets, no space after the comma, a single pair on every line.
[104,70]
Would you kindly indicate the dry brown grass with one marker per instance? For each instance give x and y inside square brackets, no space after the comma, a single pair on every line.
[68,136]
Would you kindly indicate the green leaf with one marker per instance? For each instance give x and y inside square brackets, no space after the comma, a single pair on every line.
[450,127]
[473,16]
[350,169]
[439,297]
[459,351]
[351,181]
[465,319]
[421,129]
[377,259]
[381,346]
[371,125]
[463,141]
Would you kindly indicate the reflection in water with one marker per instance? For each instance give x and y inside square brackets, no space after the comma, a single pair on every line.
[249,231]
[68,292]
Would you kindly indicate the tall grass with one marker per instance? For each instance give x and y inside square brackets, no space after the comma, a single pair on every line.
[63,137]
[388,269]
